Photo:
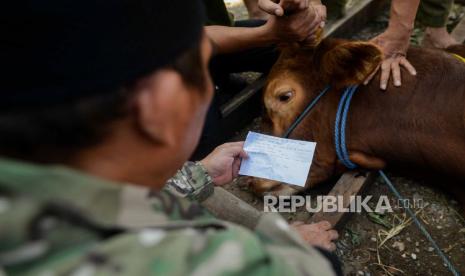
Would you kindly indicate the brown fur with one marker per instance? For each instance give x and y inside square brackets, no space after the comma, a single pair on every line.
[457,49]
[419,126]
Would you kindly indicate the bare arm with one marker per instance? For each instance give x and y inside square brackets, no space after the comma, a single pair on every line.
[298,26]
[403,15]
[395,41]
[233,39]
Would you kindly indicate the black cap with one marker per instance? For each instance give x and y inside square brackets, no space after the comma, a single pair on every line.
[52,51]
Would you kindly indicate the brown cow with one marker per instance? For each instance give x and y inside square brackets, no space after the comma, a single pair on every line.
[420,125]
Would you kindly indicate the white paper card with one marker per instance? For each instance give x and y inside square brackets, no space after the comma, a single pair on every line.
[279,159]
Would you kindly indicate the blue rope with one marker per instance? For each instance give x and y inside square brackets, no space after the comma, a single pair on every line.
[420,226]
[340,127]
[343,155]
[310,106]
[337,126]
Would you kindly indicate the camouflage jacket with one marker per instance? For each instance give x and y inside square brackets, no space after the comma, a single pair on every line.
[58,221]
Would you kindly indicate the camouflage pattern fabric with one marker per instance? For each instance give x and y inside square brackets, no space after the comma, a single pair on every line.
[434,13]
[191,181]
[58,221]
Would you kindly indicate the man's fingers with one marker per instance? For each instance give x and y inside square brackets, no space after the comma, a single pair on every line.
[271,7]
[324,225]
[232,144]
[396,79]
[388,67]
[333,235]
[243,154]
[311,34]
[320,15]
[321,9]
[315,24]
[297,223]
[330,246]
[404,62]
[235,151]
[385,72]
[303,5]
[292,6]
[235,167]
[311,29]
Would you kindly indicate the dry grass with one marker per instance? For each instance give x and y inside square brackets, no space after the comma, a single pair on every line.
[399,224]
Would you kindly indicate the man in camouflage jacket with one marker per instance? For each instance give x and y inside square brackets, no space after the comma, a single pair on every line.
[99,107]
[58,221]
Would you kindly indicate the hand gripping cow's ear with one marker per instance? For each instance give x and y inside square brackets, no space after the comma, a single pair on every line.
[350,63]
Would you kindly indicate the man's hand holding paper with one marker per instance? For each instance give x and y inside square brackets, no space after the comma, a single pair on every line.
[279,159]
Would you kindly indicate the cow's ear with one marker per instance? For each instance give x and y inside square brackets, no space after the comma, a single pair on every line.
[350,63]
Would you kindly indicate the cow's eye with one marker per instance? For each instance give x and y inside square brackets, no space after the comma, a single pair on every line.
[285,96]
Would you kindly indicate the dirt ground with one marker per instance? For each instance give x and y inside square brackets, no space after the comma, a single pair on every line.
[406,251]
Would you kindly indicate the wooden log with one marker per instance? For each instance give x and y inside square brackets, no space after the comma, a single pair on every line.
[350,184]
[243,96]
[226,206]
[459,31]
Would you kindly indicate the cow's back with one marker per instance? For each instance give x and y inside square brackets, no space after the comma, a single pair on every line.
[422,123]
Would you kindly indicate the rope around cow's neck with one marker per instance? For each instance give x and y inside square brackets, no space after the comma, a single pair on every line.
[343,156]
[340,127]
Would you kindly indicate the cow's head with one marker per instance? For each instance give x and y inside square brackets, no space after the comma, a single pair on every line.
[300,74]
